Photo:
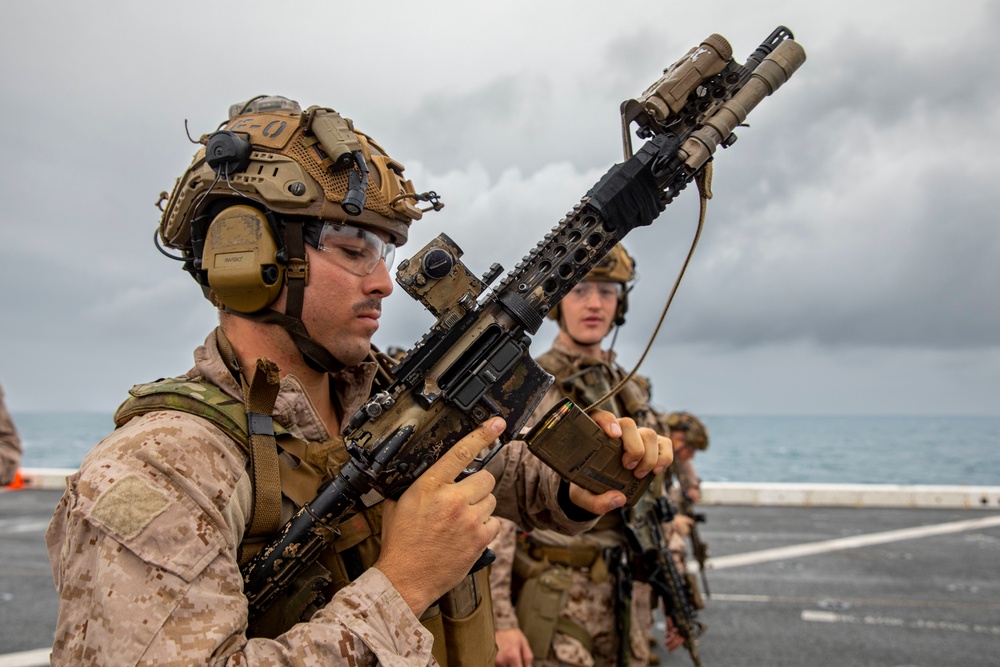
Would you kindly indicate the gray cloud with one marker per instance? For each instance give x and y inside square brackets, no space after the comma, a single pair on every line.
[852,239]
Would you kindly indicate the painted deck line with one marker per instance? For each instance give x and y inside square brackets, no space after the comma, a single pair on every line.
[839,544]
[36,658]
[752,493]
[851,495]
[891,622]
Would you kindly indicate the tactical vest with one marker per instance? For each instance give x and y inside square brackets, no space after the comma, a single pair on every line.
[588,380]
[461,622]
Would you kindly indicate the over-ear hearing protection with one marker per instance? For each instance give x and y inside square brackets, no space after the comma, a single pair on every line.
[243,259]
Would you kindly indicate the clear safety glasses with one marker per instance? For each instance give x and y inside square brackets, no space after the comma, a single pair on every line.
[355,249]
[604,291]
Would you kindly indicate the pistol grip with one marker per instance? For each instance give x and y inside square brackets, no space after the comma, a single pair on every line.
[486,558]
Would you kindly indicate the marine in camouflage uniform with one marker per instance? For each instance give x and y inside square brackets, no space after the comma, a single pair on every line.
[583,628]
[10,446]
[147,542]
[689,436]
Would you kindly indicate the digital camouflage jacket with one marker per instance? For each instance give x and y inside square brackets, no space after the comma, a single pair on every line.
[144,542]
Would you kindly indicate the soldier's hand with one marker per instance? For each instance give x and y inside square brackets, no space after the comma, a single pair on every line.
[513,649]
[439,527]
[644,452]
[682,524]
[674,640]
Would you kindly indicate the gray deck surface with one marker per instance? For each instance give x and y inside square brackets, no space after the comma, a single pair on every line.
[930,600]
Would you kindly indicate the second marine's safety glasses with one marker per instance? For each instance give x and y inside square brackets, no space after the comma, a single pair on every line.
[604,291]
[353,248]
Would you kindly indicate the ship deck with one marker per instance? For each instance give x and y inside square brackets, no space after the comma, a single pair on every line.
[790,585]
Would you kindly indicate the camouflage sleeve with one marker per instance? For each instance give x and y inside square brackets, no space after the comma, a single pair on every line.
[505,544]
[144,564]
[528,493]
[10,446]
[686,476]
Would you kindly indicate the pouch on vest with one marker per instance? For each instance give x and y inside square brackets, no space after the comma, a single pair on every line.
[433,622]
[538,604]
[467,620]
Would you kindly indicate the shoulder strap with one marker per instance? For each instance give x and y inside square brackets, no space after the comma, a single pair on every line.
[259,396]
[193,397]
[250,424]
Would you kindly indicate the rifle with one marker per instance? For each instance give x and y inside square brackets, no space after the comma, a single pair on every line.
[698,546]
[654,564]
[473,363]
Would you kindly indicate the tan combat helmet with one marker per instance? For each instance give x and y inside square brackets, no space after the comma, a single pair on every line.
[695,431]
[616,267]
[242,211]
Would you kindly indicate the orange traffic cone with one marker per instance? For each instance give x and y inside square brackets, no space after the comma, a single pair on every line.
[18,482]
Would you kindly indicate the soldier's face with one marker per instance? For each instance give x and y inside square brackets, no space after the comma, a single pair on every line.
[682,452]
[341,309]
[588,311]
[679,440]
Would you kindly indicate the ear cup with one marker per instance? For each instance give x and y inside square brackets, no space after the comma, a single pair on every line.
[622,308]
[241,258]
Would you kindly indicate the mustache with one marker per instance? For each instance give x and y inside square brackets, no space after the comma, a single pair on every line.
[368,304]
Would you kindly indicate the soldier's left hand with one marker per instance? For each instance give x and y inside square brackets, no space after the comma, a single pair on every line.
[645,452]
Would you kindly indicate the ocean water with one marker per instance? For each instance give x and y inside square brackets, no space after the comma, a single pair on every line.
[825,449]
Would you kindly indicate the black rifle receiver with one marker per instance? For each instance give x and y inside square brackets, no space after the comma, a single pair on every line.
[474,364]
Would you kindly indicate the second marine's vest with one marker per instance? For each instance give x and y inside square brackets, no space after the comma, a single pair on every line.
[585,380]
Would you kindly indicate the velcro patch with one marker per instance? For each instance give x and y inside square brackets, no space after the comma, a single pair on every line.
[129,505]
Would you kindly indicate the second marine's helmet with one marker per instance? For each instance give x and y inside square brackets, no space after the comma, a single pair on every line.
[616,267]
[243,210]
[696,435]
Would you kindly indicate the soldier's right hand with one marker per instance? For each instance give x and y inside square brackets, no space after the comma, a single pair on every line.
[682,523]
[439,527]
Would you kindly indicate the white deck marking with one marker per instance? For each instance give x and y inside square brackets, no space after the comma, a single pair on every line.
[856,602]
[817,616]
[37,658]
[826,546]
[23,524]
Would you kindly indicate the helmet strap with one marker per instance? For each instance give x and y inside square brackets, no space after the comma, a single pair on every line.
[315,355]
[296,269]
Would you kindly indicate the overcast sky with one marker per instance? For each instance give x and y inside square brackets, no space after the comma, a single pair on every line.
[850,261]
